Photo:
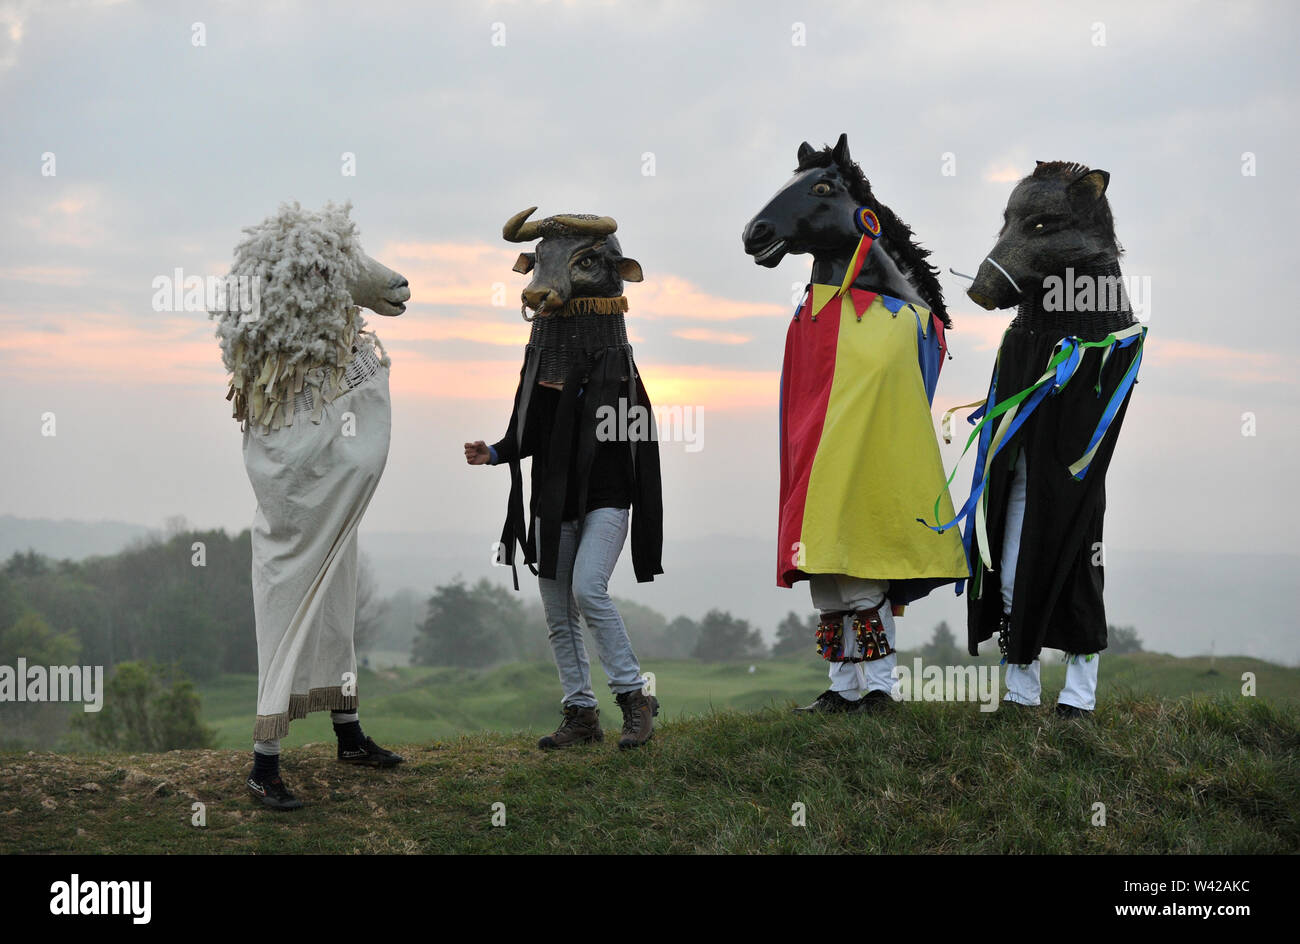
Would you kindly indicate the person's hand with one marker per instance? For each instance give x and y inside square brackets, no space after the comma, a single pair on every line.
[477,453]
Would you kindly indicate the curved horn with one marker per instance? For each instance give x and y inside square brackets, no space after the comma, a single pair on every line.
[517,231]
[600,226]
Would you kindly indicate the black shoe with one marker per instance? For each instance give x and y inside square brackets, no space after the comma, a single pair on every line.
[1069,711]
[873,701]
[1018,707]
[369,754]
[273,793]
[828,702]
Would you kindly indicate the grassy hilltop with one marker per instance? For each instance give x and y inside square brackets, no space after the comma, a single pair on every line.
[1210,771]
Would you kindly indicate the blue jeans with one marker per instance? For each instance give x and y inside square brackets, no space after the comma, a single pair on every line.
[589,549]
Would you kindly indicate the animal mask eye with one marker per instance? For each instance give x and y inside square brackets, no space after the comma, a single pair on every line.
[586,262]
[822,189]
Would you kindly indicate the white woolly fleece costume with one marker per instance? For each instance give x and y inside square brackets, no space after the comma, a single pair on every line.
[311,391]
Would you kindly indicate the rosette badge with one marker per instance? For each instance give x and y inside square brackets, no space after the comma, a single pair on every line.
[867,222]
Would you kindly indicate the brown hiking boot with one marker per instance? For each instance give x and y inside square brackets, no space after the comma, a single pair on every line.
[580,726]
[639,711]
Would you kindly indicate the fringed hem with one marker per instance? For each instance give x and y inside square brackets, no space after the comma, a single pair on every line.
[595,306]
[263,395]
[269,727]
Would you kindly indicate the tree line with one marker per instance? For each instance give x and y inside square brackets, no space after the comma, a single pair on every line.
[186,601]
[179,608]
[484,624]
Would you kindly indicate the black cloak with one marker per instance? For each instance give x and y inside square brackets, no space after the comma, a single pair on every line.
[1057,599]
[608,375]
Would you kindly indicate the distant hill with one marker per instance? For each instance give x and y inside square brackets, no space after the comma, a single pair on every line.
[1181,602]
[73,540]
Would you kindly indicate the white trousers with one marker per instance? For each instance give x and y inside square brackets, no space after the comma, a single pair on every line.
[1024,687]
[838,592]
[1023,683]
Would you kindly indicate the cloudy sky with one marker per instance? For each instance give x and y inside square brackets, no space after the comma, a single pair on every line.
[678,119]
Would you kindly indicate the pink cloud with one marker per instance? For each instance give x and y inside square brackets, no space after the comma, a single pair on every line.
[715,388]
[100,346]
[483,330]
[1236,364]
[59,276]
[479,275]
[462,274]
[75,219]
[417,375]
[711,336]
[980,330]
[672,297]
[1004,173]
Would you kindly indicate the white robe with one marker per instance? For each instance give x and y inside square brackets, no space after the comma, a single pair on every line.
[313,482]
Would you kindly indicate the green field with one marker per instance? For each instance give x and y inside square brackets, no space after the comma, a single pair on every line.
[412,705]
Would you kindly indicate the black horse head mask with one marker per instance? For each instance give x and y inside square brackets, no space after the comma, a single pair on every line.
[815,213]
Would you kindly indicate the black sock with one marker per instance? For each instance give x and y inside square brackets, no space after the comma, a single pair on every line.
[349,734]
[265,766]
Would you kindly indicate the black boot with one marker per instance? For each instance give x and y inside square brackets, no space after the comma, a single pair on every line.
[828,702]
[366,753]
[1069,711]
[271,792]
[356,748]
[873,701]
[265,785]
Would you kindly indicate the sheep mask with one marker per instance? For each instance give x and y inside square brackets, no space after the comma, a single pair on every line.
[312,280]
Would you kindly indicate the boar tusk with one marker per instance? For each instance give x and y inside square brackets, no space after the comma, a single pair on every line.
[1006,273]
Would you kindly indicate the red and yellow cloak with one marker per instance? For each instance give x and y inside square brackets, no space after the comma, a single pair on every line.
[860,461]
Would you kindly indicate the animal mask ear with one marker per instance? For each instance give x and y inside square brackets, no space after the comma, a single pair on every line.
[629,270]
[841,151]
[525,262]
[804,150]
[1090,185]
